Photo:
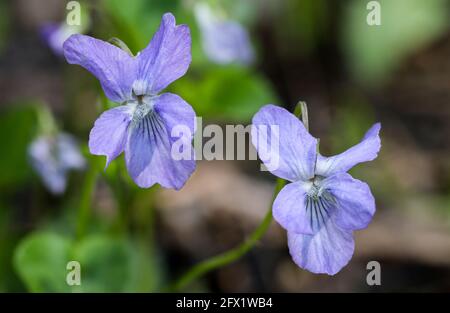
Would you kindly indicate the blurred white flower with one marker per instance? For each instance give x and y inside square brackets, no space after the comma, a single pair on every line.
[224,41]
[55,34]
[52,157]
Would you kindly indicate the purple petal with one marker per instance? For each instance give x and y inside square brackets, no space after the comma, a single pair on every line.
[69,152]
[166,58]
[327,251]
[46,165]
[355,204]
[52,157]
[109,134]
[289,209]
[113,67]
[290,152]
[366,150]
[175,111]
[52,35]
[148,152]
[224,41]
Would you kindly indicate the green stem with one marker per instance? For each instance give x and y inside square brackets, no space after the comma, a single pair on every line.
[87,192]
[122,195]
[232,255]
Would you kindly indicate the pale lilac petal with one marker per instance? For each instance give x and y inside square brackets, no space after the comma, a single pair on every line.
[289,209]
[113,67]
[224,41]
[325,252]
[175,112]
[148,153]
[109,134]
[51,34]
[69,152]
[283,143]
[354,202]
[46,165]
[366,150]
[165,59]
[52,157]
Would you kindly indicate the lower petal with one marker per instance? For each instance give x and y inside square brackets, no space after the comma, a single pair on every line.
[290,210]
[149,154]
[326,252]
[109,134]
[353,200]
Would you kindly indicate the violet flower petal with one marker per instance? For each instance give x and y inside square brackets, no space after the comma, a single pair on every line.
[165,59]
[290,210]
[296,153]
[113,67]
[325,252]
[148,151]
[109,134]
[366,150]
[354,202]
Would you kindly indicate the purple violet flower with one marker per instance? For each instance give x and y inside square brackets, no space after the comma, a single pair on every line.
[52,157]
[142,125]
[224,41]
[323,204]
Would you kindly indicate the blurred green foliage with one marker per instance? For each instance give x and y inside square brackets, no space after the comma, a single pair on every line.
[108,264]
[228,94]
[17,129]
[374,52]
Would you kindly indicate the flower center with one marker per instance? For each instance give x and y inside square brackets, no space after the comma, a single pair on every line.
[141,105]
[315,188]
[318,203]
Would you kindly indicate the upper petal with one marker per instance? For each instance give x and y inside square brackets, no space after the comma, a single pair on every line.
[325,252]
[113,67]
[165,59]
[109,134]
[283,143]
[149,148]
[354,202]
[366,150]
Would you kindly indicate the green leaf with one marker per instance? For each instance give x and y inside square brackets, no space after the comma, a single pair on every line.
[41,259]
[105,263]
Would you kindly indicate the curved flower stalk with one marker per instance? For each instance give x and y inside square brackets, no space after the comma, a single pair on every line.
[323,204]
[141,126]
[224,41]
[52,156]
